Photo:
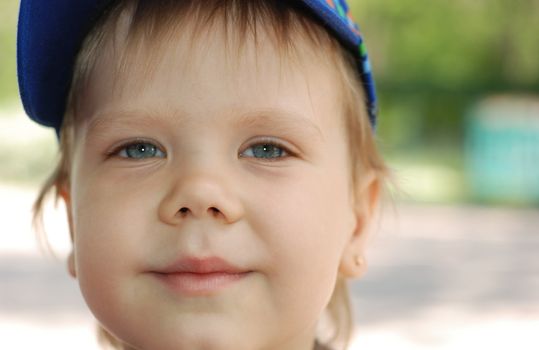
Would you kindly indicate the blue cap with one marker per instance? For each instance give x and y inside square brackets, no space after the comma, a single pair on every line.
[50,34]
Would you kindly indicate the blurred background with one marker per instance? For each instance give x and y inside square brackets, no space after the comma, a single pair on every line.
[454,255]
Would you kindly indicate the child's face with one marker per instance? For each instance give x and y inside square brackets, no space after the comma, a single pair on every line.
[210,188]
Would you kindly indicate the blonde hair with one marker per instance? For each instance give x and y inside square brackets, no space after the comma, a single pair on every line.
[284,21]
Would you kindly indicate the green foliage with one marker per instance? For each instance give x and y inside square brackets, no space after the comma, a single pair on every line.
[26,163]
[28,150]
[433,59]
[453,44]
[8,76]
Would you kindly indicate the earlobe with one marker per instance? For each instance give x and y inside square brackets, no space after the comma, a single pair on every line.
[353,263]
[353,266]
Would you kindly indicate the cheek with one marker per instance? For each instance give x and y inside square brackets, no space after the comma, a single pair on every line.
[110,220]
[109,238]
[304,226]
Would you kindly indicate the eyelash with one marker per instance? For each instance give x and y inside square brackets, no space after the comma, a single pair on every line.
[271,142]
[263,141]
[115,152]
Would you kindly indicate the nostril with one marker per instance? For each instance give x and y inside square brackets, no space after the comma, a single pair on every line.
[214,211]
[184,210]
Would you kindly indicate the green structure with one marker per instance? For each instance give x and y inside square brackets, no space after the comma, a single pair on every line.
[502,146]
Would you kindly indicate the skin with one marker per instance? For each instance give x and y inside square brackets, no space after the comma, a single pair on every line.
[291,219]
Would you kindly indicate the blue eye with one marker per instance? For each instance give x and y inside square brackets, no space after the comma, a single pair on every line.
[139,150]
[266,150]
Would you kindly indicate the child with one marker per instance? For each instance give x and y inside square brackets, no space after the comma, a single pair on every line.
[217,163]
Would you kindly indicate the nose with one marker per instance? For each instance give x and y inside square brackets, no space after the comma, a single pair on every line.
[200,196]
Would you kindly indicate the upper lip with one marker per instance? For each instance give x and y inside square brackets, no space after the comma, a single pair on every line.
[201,265]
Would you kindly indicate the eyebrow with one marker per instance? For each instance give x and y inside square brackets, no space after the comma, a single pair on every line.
[277,119]
[282,121]
[120,120]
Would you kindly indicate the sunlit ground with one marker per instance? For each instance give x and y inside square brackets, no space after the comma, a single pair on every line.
[447,328]
[440,277]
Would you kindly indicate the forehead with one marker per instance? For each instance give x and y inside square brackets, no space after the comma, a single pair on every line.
[187,69]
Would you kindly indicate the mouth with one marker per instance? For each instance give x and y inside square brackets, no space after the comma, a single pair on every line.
[200,276]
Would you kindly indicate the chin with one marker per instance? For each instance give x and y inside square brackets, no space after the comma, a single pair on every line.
[201,339]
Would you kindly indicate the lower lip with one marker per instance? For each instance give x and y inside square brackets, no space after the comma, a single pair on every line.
[199,284]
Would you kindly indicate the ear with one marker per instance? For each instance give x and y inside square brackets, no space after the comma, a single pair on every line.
[353,263]
[66,196]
